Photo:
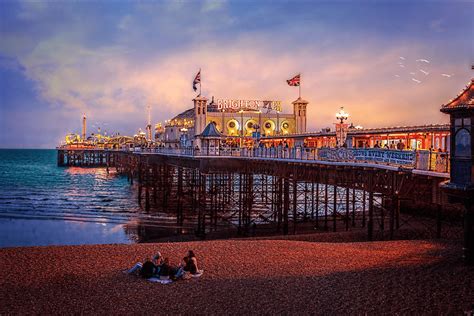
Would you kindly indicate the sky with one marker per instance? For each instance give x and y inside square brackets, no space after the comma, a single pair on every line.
[389,63]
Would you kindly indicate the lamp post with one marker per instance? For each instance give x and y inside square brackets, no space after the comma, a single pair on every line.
[341,127]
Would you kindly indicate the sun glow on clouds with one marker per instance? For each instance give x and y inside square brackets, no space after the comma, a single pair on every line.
[105,82]
[112,77]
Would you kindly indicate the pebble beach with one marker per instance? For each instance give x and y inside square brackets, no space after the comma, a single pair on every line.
[242,277]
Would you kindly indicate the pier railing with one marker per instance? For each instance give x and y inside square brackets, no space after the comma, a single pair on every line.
[420,159]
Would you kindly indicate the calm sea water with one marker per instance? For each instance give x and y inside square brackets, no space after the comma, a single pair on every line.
[42,204]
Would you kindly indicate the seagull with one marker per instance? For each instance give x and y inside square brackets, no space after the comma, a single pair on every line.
[424,71]
[403,66]
[423,61]
[398,76]
[417,81]
[446,75]
[402,58]
[412,73]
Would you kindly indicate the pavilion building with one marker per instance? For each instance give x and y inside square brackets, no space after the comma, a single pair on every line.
[241,122]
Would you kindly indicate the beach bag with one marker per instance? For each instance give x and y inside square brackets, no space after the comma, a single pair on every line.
[147,270]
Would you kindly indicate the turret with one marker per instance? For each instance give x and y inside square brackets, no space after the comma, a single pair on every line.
[299,111]
[200,114]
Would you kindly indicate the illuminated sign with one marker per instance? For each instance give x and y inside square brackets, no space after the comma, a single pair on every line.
[247,105]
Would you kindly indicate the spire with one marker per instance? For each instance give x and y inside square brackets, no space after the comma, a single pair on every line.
[84,126]
[148,126]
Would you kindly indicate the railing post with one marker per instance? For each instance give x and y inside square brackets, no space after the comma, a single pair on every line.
[429,162]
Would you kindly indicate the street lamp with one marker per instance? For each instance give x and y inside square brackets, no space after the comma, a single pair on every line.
[341,128]
[342,115]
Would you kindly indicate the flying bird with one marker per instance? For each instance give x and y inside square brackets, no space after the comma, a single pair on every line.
[398,76]
[402,58]
[446,75]
[403,66]
[424,71]
[423,61]
[412,73]
[417,81]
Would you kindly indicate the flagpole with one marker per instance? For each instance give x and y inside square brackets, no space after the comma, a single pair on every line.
[300,88]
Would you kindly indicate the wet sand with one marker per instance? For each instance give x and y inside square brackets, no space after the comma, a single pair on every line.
[242,276]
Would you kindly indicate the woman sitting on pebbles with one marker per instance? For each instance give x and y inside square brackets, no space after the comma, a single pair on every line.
[188,267]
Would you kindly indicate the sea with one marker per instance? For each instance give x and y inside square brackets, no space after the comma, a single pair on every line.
[42,204]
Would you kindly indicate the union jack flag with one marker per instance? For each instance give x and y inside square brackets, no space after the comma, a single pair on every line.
[197,80]
[295,81]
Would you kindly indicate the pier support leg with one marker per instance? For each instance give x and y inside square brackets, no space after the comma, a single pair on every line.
[347,209]
[364,203]
[326,205]
[353,206]
[370,224]
[286,204]
[295,192]
[279,199]
[393,209]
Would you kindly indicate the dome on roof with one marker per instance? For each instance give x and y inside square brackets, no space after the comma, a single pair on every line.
[185,115]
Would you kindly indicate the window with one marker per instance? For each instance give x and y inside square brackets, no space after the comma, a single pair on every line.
[463,143]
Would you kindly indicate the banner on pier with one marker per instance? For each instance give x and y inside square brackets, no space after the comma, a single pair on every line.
[396,157]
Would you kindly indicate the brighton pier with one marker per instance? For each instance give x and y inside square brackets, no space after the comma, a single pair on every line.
[239,168]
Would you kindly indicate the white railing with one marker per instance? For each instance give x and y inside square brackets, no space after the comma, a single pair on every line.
[419,159]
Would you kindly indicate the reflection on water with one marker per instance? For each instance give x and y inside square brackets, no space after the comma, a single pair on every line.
[41,204]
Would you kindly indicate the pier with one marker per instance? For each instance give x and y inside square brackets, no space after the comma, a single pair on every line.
[214,171]
[284,189]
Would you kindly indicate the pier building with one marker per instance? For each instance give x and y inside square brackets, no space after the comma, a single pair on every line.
[239,121]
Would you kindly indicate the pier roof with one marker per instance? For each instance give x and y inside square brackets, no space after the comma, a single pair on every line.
[465,100]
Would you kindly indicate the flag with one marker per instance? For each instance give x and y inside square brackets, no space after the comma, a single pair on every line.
[197,80]
[295,81]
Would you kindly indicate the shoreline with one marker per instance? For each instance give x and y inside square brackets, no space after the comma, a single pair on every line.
[251,276]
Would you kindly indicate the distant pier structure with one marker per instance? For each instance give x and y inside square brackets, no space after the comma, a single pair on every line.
[75,157]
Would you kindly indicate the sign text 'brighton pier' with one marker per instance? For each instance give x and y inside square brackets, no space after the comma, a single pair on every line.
[231,105]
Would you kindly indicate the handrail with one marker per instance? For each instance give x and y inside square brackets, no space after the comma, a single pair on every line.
[415,159]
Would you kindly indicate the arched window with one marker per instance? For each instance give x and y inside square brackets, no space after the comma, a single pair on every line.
[463,143]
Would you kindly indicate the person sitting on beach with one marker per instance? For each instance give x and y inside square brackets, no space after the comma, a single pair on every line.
[167,270]
[148,269]
[191,263]
[157,262]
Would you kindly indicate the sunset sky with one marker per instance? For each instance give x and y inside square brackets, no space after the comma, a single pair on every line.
[110,59]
